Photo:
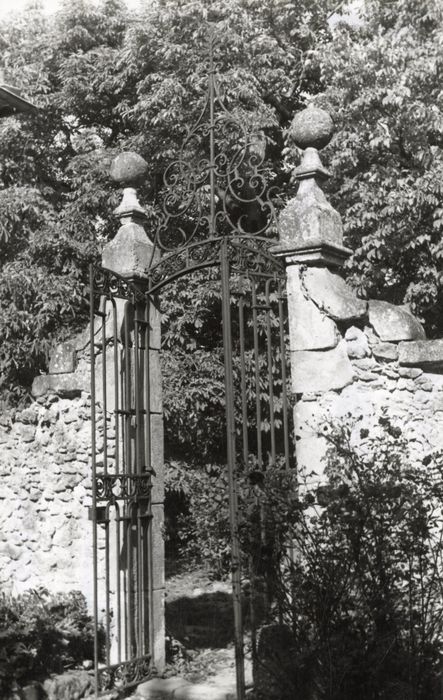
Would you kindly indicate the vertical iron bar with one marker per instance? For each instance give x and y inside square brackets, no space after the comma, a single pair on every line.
[104,390]
[281,319]
[116,471]
[137,470]
[232,472]
[244,403]
[212,223]
[129,572]
[116,393]
[124,470]
[118,573]
[148,568]
[129,470]
[94,475]
[107,592]
[270,374]
[257,374]
[241,323]
[105,471]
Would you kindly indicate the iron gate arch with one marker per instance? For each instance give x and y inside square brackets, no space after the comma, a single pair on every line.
[122,465]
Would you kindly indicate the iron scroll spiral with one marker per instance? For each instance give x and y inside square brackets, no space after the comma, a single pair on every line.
[218,185]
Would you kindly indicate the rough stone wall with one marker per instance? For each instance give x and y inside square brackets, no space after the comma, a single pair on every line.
[45,534]
[349,357]
[359,361]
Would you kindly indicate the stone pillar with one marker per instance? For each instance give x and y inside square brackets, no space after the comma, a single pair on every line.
[130,254]
[320,303]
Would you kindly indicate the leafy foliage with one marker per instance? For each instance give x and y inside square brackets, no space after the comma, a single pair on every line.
[361,592]
[353,566]
[107,79]
[42,633]
[382,80]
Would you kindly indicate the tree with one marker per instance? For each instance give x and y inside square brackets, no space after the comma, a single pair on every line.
[54,198]
[382,79]
[107,80]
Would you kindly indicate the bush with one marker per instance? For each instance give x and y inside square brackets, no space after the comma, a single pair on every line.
[42,633]
[353,567]
[197,515]
[362,592]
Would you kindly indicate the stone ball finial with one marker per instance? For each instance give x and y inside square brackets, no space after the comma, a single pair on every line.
[312,127]
[128,169]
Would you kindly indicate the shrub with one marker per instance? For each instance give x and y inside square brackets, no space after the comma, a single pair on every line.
[197,515]
[42,633]
[352,566]
[362,592]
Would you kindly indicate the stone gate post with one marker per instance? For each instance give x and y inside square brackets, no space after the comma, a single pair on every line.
[129,255]
[320,304]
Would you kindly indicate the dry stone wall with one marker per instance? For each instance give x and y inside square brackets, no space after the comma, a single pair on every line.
[361,360]
[45,492]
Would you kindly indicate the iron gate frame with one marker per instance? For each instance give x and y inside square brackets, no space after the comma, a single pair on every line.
[216,240]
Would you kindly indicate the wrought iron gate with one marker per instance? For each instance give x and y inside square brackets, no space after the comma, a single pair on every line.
[121,481]
[224,199]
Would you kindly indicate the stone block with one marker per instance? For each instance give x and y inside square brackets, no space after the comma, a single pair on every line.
[129,253]
[28,415]
[158,622]
[117,321]
[410,372]
[309,217]
[25,432]
[310,455]
[321,370]
[394,323]
[308,417]
[62,359]
[203,691]
[333,295]
[154,323]
[424,354]
[357,343]
[367,364]
[105,378]
[385,351]
[157,457]
[309,328]
[364,376]
[160,688]
[158,546]
[66,385]
[437,404]
[82,339]
[435,379]
[155,382]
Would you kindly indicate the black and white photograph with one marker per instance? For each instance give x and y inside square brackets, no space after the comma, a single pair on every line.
[221,349]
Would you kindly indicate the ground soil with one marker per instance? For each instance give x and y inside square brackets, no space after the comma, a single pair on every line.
[200,630]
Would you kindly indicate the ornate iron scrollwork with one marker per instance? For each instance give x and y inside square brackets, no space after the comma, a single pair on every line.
[218,186]
[113,487]
[125,674]
[111,284]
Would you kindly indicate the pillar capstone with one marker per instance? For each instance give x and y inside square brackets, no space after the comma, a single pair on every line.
[129,254]
[310,229]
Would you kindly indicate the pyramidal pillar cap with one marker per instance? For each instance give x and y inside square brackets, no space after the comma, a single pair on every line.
[310,230]
[130,252]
